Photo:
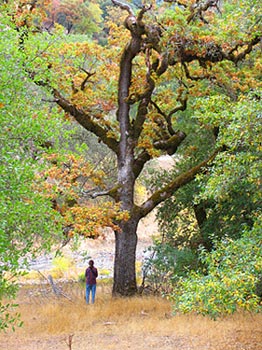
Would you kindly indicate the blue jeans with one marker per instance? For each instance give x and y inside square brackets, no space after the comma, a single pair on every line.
[90,288]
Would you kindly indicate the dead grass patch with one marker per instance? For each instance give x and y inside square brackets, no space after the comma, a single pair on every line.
[136,323]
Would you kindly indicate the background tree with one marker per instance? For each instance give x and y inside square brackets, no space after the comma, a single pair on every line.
[28,224]
[231,280]
[226,198]
[78,16]
[211,248]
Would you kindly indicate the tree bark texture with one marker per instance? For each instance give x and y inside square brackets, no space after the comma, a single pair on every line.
[126,238]
[125,258]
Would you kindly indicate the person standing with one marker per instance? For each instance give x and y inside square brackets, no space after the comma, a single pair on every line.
[91,275]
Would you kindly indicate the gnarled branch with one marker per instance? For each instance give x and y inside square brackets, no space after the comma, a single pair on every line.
[249,46]
[123,7]
[168,117]
[85,120]
[199,8]
[213,53]
[168,190]
[170,145]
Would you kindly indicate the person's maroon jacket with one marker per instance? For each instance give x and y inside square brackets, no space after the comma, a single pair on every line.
[91,275]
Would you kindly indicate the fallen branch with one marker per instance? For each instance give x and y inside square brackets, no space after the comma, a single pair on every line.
[57,290]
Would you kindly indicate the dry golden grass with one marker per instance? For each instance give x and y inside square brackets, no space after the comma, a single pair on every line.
[138,323]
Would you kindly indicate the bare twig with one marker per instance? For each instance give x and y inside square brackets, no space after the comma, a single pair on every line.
[88,75]
[70,341]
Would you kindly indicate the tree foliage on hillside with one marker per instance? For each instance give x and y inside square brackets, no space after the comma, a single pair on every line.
[75,15]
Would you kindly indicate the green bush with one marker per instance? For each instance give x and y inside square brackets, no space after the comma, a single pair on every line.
[81,278]
[61,265]
[230,280]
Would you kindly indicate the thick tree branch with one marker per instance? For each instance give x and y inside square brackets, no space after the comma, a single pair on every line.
[213,52]
[150,83]
[170,145]
[168,190]
[86,121]
[139,163]
[123,7]
[163,65]
[145,99]
[143,11]
[138,123]
[199,7]
[129,134]
[240,56]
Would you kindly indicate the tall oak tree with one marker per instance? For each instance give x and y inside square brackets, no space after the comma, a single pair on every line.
[132,92]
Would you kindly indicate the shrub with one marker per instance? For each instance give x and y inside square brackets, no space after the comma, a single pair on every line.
[61,265]
[230,280]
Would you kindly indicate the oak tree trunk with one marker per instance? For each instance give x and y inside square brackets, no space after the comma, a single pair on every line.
[125,258]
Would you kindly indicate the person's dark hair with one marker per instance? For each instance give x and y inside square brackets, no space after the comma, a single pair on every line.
[91,263]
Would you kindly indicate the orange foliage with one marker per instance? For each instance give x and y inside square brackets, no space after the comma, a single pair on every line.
[66,182]
[26,13]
